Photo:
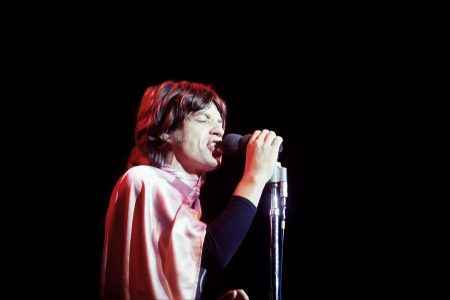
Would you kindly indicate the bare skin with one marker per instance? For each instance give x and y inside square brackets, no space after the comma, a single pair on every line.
[234,294]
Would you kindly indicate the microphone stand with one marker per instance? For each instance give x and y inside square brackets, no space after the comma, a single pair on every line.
[278,195]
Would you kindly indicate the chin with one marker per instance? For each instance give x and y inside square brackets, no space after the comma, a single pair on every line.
[215,165]
[218,161]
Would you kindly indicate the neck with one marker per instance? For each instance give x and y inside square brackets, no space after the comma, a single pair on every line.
[172,161]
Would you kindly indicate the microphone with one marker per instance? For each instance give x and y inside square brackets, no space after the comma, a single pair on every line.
[234,144]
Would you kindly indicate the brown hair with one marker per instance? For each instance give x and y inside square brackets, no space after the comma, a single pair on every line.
[163,109]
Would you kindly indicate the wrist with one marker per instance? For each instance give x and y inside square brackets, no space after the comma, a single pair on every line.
[251,188]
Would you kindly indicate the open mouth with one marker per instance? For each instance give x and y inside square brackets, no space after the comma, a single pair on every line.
[216,148]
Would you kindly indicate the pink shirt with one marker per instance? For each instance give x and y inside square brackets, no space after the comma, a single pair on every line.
[153,236]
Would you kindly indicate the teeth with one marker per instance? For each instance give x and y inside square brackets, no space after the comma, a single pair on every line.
[212,144]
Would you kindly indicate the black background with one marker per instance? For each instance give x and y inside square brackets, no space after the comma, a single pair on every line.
[337,87]
[78,130]
[255,102]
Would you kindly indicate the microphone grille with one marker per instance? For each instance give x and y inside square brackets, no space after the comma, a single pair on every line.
[230,144]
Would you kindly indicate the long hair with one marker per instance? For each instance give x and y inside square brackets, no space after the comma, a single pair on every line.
[163,109]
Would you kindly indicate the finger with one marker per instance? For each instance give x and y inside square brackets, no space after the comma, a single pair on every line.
[263,134]
[255,135]
[261,137]
[268,139]
[230,294]
[242,295]
[277,141]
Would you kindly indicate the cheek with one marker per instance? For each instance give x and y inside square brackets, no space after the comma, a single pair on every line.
[178,139]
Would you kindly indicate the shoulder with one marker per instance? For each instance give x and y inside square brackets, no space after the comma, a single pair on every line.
[142,171]
[140,178]
[143,175]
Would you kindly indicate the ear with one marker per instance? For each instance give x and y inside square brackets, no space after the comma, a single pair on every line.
[164,136]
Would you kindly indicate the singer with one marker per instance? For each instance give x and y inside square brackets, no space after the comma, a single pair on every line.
[155,245]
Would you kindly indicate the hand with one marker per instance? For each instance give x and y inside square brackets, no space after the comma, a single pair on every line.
[262,154]
[234,294]
[260,163]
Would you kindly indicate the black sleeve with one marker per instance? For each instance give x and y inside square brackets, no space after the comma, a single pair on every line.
[225,234]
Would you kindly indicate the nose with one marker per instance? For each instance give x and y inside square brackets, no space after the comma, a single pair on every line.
[218,129]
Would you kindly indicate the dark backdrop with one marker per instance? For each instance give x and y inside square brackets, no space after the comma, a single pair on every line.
[85,133]
[77,133]
[255,102]
[73,96]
